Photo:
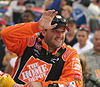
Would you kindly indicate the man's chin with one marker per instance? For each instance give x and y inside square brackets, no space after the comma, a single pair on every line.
[58,45]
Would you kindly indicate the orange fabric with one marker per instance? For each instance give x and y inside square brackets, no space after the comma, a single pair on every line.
[17,38]
[13,35]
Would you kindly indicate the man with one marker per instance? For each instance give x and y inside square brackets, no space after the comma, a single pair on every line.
[43,61]
[83,43]
[93,59]
[70,37]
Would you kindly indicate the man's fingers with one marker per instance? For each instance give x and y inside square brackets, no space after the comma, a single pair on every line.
[54,14]
[50,13]
[53,26]
[46,19]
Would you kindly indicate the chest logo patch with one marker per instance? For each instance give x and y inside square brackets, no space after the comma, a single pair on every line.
[34,70]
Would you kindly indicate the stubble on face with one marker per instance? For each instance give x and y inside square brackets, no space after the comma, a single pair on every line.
[54,41]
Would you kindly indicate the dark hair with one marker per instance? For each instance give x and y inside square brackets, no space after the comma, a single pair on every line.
[31,12]
[86,3]
[71,21]
[29,2]
[69,2]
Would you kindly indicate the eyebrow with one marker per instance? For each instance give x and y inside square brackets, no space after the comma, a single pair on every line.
[60,30]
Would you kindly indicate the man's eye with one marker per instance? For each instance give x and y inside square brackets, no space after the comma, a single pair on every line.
[54,30]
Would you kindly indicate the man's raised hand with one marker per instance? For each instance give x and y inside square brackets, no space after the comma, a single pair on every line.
[46,19]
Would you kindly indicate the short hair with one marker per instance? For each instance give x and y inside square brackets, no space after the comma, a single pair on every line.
[71,21]
[31,12]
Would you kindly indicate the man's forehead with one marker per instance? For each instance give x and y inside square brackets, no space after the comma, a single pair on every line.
[61,29]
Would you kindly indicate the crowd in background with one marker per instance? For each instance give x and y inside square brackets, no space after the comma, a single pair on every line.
[83,18]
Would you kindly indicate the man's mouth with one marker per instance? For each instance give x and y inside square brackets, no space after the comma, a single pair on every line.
[58,40]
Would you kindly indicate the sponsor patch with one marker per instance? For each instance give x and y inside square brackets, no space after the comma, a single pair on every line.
[34,70]
[76,65]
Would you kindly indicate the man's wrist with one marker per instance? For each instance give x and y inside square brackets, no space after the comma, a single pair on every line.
[40,26]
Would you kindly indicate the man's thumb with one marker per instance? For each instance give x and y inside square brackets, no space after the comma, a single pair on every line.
[53,26]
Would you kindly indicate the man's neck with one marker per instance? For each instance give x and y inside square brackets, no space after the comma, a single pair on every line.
[51,50]
[82,45]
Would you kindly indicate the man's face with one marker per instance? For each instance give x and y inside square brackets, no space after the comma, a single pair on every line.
[96,41]
[82,37]
[54,38]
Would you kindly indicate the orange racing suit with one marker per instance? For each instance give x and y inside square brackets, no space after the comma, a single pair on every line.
[35,63]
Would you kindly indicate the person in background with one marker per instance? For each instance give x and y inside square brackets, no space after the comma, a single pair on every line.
[94,21]
[94,8]
[10,65]
[6,60]
[58,5]
[83,43]
[53,4]
[85,70]
[93,59]
[2,45]
[29,4]
[14,12]
[89,80]
[80,12]
[66,11]
[47,3]
[28,16]
[70,38]
[47,61]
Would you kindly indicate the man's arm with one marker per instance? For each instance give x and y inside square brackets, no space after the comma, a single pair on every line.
[72,71]
[16,37]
